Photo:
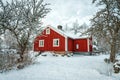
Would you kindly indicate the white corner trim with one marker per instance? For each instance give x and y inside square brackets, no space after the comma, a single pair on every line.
[66,44]
[88,45]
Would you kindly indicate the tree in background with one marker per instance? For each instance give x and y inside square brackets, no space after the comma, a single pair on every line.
[106,25]
[22,18]
[75,27]
[66,28]
[83,28]
[1,43]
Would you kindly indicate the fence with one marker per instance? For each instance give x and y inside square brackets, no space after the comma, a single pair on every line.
[8,59]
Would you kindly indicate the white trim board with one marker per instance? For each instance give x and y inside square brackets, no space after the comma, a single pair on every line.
[88,45]
[66,44]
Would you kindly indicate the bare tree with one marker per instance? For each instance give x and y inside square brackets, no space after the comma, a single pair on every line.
[22,18]
[106,24]
[75,27]
[83,28]
[66,27]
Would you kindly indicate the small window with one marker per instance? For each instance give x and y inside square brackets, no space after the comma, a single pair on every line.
[48,31]
[41,43]
[77,46]
[55,42]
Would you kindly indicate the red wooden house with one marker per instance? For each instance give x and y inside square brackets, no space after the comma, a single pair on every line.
[56,40]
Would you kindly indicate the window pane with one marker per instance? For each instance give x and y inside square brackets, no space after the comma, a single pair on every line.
[55,42]
[41,43]
[48,31]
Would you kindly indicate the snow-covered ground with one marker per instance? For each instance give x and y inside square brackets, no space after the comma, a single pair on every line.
[77,67]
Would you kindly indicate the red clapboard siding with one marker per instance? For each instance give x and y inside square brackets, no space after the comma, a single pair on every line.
[82,45]
[70,44]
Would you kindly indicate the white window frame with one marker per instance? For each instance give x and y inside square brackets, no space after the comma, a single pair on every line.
[41,42]
[48,31]
[54,41]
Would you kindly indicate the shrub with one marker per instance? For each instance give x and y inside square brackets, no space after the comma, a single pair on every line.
[116,67]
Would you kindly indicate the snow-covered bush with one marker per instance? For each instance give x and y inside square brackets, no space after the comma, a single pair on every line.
[29,58]
[68,55]
[55,54]
[107,60]
[116,67]
[47,54]
[9,59]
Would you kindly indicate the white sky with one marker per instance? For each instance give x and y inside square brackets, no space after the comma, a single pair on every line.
[68,11]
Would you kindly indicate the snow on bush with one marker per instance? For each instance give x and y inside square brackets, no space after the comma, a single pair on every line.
[47,54]
[117,67]
[29,58]
[55,54]
[9,59]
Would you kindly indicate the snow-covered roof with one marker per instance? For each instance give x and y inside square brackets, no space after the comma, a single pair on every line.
[76,36]
[69,34]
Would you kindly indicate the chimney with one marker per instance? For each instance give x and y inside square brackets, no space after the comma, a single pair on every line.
[59,27]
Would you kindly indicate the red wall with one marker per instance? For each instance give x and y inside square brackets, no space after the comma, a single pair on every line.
[70,44]
[48,41]
[83,47]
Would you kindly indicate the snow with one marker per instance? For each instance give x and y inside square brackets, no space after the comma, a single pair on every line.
[10,51]
[77,67]
[76,36]
[116,64]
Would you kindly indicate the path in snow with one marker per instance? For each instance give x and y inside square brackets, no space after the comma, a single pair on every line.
[63,68]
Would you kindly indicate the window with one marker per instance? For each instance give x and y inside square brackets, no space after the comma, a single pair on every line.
[55,42]
[77,46]
[48,31]
[41,43]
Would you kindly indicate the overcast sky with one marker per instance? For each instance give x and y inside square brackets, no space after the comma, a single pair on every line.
[68,11]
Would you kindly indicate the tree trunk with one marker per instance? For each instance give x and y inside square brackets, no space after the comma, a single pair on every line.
[22,52]
[113,52]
